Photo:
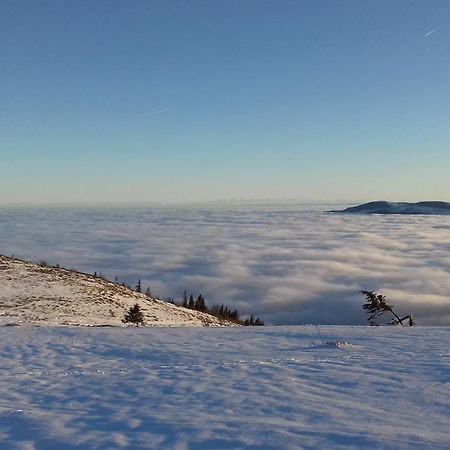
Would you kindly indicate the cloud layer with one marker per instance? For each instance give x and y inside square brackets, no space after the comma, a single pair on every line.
[285,264]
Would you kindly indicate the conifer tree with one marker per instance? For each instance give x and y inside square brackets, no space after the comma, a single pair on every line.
[200,304]
[185,300]
[376,305]
[138,286]
[134,315]
[191,303]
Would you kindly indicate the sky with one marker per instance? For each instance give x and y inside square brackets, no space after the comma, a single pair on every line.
[157,101]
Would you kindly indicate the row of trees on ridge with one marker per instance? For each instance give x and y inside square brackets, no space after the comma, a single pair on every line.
[221,311]
[135,316]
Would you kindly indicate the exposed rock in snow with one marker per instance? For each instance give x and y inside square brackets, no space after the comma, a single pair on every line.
[382,207]
[38,294]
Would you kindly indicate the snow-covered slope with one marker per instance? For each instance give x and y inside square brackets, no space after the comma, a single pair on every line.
[382,207]
[32,293]
[268,388]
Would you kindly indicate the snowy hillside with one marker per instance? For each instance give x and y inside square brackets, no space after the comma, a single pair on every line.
[224,388]
[382,207]
[32,293]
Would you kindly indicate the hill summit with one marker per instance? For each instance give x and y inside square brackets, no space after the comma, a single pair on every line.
[383,207]
[40,294]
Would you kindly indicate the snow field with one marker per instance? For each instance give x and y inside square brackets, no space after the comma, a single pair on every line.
[224,388]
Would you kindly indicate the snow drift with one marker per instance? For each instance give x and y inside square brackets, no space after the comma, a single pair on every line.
[264,388]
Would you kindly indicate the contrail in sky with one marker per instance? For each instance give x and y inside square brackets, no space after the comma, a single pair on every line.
[430,32]
[152,113]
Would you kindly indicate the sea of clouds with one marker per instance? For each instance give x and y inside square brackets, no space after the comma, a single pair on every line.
[287,264]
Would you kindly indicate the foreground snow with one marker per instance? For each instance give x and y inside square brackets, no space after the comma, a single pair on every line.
[224,388]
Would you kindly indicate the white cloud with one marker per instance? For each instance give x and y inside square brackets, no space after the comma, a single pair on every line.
[285,265]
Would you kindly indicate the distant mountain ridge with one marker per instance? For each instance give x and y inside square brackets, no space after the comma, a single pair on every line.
[38,294]
[383,207]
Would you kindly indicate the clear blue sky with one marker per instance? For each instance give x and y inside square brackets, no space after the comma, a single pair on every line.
[179,101]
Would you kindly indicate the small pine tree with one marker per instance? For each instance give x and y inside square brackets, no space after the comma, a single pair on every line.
[134,315]
[185,300]
[253,322]
[138,286]
[376,305]
[191,303]
[200,304]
